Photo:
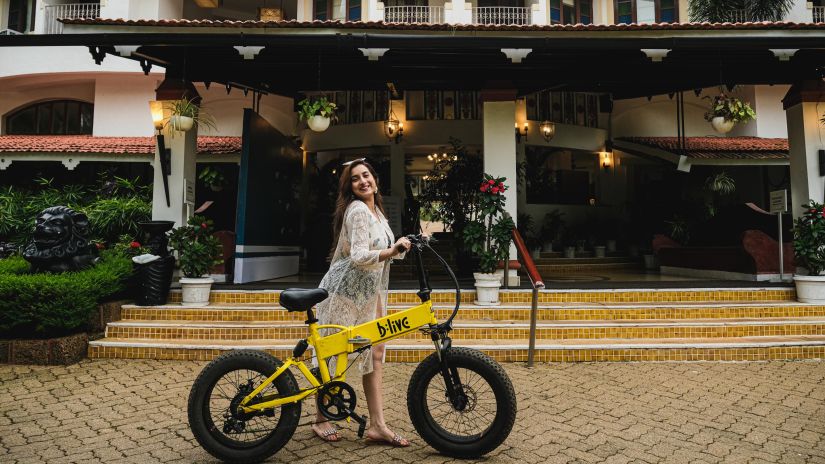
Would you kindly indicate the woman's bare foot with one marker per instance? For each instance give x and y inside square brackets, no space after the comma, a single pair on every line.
[386,436]
[326,431]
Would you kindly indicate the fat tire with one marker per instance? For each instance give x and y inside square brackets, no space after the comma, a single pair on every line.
[200,421]
[430,371]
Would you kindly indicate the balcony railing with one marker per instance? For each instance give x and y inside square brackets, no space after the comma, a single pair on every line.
[501,15]
[736,16]
[414,14]
[819,14]
[68,11]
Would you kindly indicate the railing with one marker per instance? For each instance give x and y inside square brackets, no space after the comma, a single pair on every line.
[736,16]
[68,11]
[537,283]
[501,15]
[818,14]
[414,14]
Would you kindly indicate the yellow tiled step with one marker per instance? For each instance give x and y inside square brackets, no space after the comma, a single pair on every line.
[498,330]
[719,349]
[519,312]
[545,296]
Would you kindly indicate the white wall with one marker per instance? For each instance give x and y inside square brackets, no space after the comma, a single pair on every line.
[18,92]
[228,110]
[657,118]
[122,105]
[20,61]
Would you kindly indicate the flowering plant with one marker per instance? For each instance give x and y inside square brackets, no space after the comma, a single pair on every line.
[198,250]
[809,238]
[129,247]
[489,228]
[730,108]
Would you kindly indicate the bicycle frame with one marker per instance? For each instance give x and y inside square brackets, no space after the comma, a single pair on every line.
[342,343]
[348,340]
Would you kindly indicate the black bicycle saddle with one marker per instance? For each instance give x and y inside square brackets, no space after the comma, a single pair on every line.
[302,299]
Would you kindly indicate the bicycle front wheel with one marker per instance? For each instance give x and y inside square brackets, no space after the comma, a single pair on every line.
[477,424]
[231,435]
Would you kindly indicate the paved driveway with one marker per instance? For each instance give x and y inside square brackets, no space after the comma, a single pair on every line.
[134,411]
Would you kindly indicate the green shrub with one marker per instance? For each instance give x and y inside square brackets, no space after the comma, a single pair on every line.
[47,305]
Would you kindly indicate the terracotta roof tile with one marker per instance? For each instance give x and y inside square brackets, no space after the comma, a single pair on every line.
[765,25]
[720,147]
[107,145]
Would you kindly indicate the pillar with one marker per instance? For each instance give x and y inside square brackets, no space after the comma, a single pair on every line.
[181,176]
[500,145]
[805,135]
[458,12]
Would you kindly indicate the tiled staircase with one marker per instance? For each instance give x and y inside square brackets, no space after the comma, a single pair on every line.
[573,325]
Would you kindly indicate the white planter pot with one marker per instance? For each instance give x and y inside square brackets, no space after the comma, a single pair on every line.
[195,291]
[569,252]
[181,123]
[318,123]
[721,125]
[810,289]
[487,286]
[611,246]
[548,246]
[599,251]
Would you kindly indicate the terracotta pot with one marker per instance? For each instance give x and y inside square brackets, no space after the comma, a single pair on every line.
[722,125]
[318,123]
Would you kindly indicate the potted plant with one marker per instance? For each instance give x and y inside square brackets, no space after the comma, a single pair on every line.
[198,251]
[317,113]
[809,251]
[186,114]
[551,228]
[725,112]
[525,229]
[487,235]
[213,178]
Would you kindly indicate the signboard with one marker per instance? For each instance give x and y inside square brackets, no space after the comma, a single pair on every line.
[392,208]
[188,192]
[779,201]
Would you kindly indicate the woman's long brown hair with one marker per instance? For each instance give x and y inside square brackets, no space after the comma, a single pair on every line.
[345,197]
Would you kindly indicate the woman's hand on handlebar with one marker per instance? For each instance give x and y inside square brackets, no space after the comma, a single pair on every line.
[401,245]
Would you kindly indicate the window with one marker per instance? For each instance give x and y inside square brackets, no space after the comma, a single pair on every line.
[646,11]
[58,117]
[343,10]
[571,11]
[21,15]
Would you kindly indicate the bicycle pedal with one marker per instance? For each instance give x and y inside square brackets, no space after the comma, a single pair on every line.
[362,423]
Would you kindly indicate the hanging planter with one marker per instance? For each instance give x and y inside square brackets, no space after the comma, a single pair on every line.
[722,125]
[317,113]
[725,112]
[186,114]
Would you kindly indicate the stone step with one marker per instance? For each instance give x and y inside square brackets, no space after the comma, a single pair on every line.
[517,312]
[497,330]
[575,350]
[545,269]
[545,296]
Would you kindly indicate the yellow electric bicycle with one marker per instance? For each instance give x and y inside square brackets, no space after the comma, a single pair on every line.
[245,405]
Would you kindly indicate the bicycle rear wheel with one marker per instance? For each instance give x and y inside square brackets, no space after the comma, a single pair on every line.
[479,423]
[234,436]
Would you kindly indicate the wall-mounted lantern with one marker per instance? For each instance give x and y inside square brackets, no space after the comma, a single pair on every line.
[156,108]
[548,130]
[522,131]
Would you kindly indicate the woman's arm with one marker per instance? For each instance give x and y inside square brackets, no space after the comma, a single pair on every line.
[358,221]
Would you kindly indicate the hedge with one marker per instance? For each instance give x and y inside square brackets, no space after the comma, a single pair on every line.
[47,305]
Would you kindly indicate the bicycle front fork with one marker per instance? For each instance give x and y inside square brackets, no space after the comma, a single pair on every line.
[452,382]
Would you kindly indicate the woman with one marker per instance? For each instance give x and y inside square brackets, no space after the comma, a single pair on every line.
[357,284]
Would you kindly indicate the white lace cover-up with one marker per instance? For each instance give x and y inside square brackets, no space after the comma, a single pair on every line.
[356,281]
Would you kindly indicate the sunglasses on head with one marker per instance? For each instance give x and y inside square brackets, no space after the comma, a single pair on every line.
[353,161]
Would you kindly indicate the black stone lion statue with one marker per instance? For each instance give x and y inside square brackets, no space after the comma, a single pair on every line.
[60,242]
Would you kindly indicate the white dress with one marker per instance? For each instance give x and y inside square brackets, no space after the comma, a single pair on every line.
[356,281]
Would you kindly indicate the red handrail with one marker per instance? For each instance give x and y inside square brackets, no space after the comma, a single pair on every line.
[529,265]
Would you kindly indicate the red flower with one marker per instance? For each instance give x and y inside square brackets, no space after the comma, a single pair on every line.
[495,190]
[491,182]
[100,246]
[203,225]
[134,245]
[483,188]
[501,185]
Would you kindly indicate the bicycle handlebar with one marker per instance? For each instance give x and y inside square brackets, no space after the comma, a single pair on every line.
[420,241]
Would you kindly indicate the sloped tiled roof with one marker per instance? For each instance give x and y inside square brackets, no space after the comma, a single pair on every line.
[755,148]
[337,24]
[107,145]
